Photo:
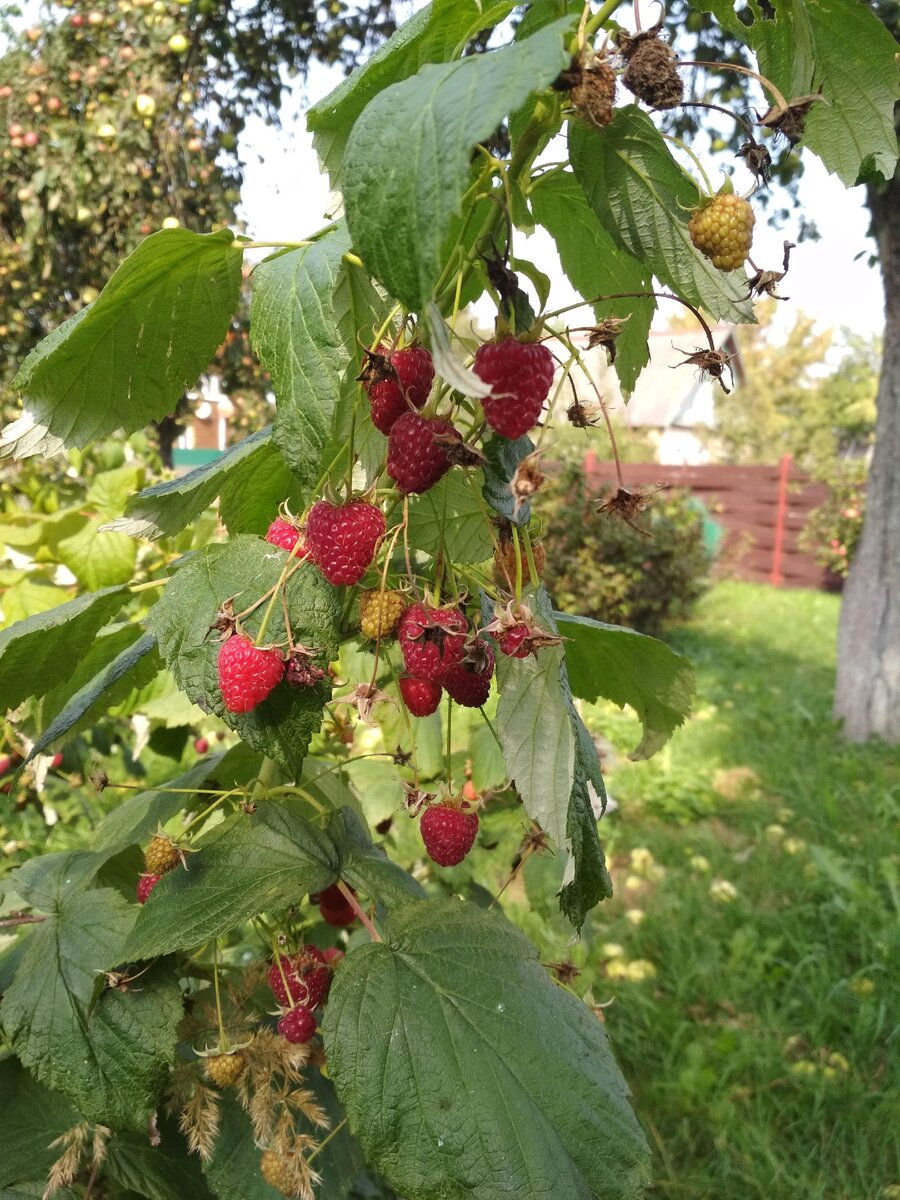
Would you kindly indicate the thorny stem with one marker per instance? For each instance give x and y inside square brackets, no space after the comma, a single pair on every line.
[601,404]
[713,66]
[637,296]
[359,910]
[21,919]
[526,854]
[725,111]
[489,723]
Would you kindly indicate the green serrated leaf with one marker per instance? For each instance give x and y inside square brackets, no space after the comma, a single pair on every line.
[400,219]
[503,456]
[257,862]
[296,335]
[31,1117]
[643,198]
[587,880]
[454,1003]
[110,1054]
[452,513]
[98,559]
[597,266]
[128,358]
[244,569]
[838,47]
[629,668]
[107,646]
[367,867]
[133,666]
[163,1171]
[430,35]
[43,650]
[251,478]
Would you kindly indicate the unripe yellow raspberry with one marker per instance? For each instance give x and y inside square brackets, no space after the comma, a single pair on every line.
[161,855]
[505,562]
[380,612]
[722,230]
[224,1070]
[276,1170]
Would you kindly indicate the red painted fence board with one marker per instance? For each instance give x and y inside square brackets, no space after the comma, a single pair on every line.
[762,510]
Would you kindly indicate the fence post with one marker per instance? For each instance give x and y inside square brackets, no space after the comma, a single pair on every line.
[776,578]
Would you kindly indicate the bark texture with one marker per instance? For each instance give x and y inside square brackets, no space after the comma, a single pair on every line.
[867,691]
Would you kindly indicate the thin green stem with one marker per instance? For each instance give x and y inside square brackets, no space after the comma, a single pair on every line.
[324,1142]
[449,742]
[676,141]
[603,14]
[223,1039]
[488,722]
[145,587]
[269,771]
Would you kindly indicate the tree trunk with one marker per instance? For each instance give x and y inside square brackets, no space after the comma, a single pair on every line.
[867,692]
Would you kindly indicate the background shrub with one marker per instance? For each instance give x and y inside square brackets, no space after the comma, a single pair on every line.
[599,566]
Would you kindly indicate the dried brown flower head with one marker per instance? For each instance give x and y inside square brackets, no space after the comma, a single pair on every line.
[301,670]
[604,334]
[527,480]
[460,453]
[565,972]
[582,416]
[627,506]
[790,121]
[710,363]
[591,84]
[763,283]
[652,73]
[758,160]
[363,698]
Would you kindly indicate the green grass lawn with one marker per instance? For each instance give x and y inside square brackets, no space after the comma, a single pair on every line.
[750,951]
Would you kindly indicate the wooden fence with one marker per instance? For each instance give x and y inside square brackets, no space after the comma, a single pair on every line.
[761,510]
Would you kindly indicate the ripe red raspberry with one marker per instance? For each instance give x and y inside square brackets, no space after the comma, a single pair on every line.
[416,459]
[469,682]
[335,909]
[421,696]
[397,381]
[520,375]
[432,640]
[298,1024]
[300,979]
[285,535]
[201,745]
[448,834]
[146,884]
[342,538]
[247,673]
[722,230]
[513,642]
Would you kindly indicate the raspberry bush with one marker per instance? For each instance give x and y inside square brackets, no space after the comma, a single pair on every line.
[275,970]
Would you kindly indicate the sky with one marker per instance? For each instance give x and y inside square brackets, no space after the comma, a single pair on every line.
[285,197]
